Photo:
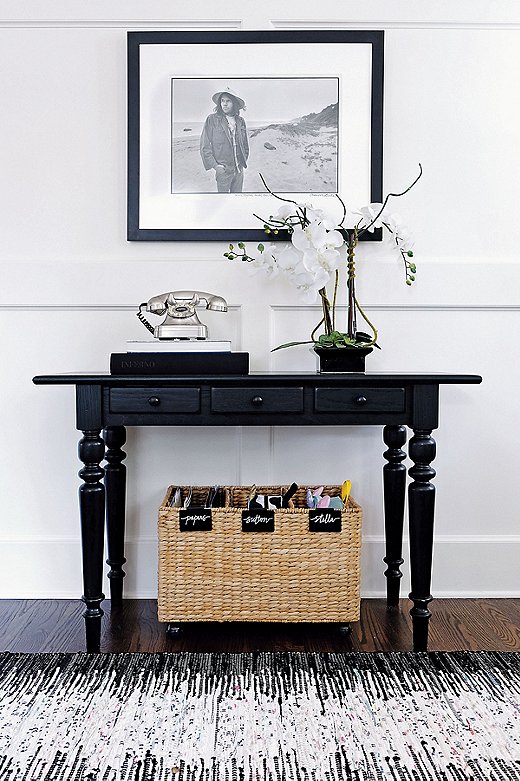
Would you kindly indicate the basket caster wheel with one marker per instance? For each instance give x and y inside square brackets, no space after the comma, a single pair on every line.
[173,630]
[345,630]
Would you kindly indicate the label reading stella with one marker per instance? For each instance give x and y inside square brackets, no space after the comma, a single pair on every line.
[325,520]
[195,519]
[258,520]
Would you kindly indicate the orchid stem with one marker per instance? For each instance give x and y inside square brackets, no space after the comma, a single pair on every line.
[336,281]
[287,200]
[326,311]
[365,318]
[390,195]
[312,334]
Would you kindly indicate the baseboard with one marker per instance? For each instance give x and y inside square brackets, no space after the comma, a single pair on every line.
[463,567]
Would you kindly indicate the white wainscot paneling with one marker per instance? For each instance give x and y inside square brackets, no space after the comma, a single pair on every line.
[39,464]
[462,567]
[477,454]
[66,173]
[293,14]
[475,461]
[436,83]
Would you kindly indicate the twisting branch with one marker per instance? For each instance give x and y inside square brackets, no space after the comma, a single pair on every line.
[342,202]
[365,318]
[287,200]
[390,195]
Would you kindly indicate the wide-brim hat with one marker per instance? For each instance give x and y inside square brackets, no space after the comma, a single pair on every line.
[216,97]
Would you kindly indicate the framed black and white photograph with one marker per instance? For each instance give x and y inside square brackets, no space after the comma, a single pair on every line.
[217,119]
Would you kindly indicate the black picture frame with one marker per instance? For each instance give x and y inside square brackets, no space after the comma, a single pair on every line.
[173,229]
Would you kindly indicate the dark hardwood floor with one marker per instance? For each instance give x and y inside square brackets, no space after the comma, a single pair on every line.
[33,626]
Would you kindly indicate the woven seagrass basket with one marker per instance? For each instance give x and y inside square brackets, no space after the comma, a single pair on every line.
[287,575]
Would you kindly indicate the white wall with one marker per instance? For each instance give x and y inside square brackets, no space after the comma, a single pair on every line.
[70,283]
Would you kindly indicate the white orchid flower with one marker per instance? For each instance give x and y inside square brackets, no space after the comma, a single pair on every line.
[404,240]
[312,236]
[327,259]
[299,239]
[290,260]
[308,284]
[334,239]
[393,222]
[319,215]
[369,213]
[266,263]
[286,210]
[401,237]
[314,215]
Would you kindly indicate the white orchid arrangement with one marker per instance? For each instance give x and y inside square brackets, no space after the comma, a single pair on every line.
[319,245]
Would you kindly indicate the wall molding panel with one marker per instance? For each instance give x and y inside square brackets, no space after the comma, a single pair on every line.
[125,24]
[72,283]
[388,24]
[447,580]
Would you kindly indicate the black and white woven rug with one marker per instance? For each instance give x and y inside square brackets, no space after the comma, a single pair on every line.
[260,717]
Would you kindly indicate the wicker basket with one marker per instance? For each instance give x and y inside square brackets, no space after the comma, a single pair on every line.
[288,575]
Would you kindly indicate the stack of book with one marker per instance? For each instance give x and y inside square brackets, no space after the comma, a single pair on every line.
[174,356]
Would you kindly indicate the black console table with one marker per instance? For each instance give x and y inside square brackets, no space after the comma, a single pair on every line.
[108,403]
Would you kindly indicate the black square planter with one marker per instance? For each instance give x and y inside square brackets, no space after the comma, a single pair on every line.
[342,359]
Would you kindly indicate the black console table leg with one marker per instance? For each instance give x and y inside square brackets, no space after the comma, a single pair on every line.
[91,451]
[394,490]
[115,486]
[421,504]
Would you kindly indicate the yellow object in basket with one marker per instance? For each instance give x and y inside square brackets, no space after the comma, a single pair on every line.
[345,492]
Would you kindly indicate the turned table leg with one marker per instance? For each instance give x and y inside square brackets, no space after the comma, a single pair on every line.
[394,490]
[91,450]
[115,486]
[421,505]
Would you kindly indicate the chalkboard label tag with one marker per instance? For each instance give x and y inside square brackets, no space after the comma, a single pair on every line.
[325,520]
[195,519]
[258,520]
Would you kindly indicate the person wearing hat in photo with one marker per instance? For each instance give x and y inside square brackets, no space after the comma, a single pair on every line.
[224,145]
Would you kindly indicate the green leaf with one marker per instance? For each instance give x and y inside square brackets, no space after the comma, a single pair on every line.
[241,245]
[231,246]
[261,248]
[289,344]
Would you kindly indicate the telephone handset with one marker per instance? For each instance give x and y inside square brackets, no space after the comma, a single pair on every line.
[181,321]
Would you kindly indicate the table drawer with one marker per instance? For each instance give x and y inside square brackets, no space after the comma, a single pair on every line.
[154,400]
[257,400]
[359,399]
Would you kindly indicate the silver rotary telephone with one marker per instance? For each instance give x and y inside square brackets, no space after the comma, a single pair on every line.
[179,306]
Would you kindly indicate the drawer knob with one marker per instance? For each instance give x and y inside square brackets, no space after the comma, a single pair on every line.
[361,400]
[257,401]
[154,401]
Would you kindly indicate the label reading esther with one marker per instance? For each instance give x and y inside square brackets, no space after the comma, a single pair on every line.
[195,520]
[258,520]
[324,520]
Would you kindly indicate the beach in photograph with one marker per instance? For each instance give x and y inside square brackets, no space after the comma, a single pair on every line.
[296,156]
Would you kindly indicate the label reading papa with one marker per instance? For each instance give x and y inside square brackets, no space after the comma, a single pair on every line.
[258,520]
[195,520]
[324,520]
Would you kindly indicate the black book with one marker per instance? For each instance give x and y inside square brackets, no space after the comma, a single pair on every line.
[179,363]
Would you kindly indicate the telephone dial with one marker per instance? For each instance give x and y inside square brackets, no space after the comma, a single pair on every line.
[179,306]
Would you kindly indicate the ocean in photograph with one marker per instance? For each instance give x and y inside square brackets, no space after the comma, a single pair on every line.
[183,130]
[296,156]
